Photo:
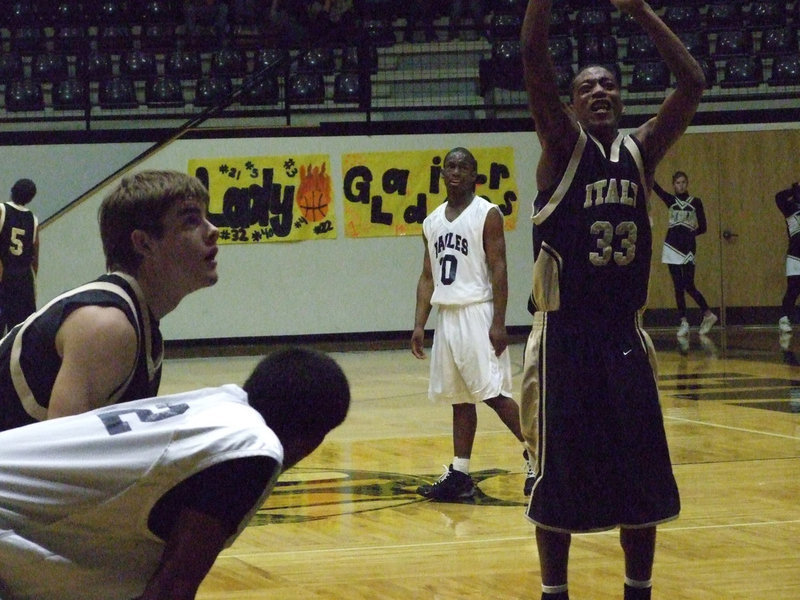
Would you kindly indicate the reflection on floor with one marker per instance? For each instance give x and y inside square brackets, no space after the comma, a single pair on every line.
[346,523]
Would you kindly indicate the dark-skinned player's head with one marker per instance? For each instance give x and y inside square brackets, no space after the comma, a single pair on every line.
[302,394]
[23,191]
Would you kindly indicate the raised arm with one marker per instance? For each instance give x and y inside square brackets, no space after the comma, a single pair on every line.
[556,127]
[665,196]
[658,134]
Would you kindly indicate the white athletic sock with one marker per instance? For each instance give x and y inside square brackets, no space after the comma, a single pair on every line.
[638,584]
[461,464]
[554,589]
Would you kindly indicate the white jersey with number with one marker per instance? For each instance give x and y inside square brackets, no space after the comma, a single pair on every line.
[458,259]
[76,492]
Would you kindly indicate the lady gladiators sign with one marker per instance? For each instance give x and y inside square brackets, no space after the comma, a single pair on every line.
[257,199]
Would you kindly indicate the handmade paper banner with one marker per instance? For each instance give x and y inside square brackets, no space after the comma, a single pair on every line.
[259,199]
[391,193]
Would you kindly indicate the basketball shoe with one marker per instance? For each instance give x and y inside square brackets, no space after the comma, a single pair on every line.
[452,485]
[784,325]
[707,323]
[683,330]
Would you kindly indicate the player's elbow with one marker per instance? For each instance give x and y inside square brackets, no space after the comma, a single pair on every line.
[694,84]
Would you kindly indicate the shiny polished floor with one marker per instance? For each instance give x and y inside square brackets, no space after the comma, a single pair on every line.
[346,524]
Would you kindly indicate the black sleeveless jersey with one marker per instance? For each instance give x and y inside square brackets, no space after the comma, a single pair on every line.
[592,236]
[17,236]
[29,361]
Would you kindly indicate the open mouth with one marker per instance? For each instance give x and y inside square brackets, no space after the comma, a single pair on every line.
[601,106]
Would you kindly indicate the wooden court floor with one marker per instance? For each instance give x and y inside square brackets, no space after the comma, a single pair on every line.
[346,524]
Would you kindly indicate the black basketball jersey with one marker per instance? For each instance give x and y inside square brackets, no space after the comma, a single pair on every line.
[29,361]
[592,236]
[17,235]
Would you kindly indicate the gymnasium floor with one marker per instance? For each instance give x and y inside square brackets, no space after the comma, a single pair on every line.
[345,524]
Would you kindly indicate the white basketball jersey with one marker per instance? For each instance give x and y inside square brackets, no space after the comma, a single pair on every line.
[458,260]
[76,492]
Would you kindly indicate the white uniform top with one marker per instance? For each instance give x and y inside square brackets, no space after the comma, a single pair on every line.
[458,260]
[76,492]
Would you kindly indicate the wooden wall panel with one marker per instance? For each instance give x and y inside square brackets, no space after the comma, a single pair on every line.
[736,174]
[698,156]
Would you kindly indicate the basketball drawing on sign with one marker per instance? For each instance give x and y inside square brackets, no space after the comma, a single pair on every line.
[314,193]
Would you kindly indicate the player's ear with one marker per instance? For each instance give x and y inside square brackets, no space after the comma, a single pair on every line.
[140,240]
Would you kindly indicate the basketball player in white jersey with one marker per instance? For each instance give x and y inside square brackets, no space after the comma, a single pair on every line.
[136,500]
[464,275]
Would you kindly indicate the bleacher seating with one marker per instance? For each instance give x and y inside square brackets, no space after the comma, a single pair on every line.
[564,76]
[641,48]
[650,76]
[71,39]
[560,49]
[164,91]
[723,15]
[305,88]
[503,69]
[347,87]
[24,95]
[682,17]
[138,65]
[742,71]
[49,67]
[785,70]
[87,42]
[117,92]
[183,64]
[777,41]
[11,67]
[597,49]
[733,42]
[264,91]
[766,13]
[71,94]
[696,43]
[709,67]
[94,66]
[211,89]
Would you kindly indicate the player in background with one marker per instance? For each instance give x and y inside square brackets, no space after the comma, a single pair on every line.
[464,275]
[19,255]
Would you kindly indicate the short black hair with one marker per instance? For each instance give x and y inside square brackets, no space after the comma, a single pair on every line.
[23,191]
[299,392]
[467,154]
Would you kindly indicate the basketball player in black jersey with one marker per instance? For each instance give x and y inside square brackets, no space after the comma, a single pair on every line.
[589,403]
[100,343]
[19,255]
